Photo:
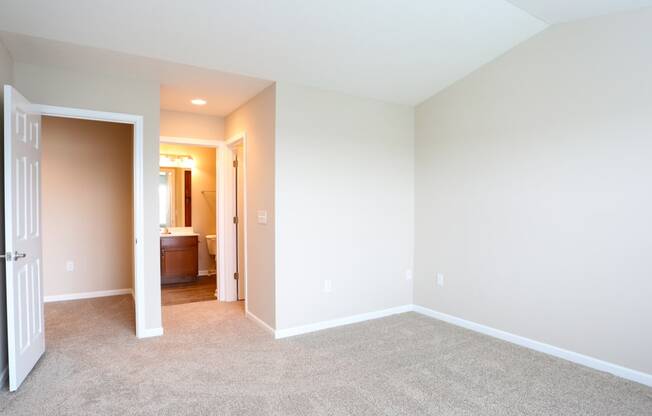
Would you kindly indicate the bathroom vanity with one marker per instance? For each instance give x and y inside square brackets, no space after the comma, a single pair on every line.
[179,258]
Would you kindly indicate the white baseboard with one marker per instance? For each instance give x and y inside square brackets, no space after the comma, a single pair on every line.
[260,322]
[4,377]
[597,364]
[318,326]
[206,273]
[150,332]
[87,295]
[585,360]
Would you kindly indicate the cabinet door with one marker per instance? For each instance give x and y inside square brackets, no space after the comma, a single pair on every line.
[179,259]
[179,262]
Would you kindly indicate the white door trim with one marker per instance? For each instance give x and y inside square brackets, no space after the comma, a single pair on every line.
[139,207]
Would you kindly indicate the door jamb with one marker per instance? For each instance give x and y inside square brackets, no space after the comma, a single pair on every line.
[229,187]
[139,208]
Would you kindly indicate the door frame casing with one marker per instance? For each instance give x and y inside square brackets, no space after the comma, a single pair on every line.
[138,194]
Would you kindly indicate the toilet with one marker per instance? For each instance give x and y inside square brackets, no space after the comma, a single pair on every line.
[211,243]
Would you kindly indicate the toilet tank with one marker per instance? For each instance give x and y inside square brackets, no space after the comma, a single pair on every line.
[211,243]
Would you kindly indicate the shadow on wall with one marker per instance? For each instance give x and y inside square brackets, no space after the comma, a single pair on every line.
[211,200]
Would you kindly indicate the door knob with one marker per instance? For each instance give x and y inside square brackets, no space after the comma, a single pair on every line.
[15,256]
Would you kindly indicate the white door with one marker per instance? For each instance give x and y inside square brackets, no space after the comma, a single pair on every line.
[25,332]
[239,226]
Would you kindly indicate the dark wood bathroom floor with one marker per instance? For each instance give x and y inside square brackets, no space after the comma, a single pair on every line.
[201,290]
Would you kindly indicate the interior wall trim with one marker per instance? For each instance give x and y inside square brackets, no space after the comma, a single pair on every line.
[151,332]
[572,356]
[87,295]
[260,322]
[585,360]
[318,326]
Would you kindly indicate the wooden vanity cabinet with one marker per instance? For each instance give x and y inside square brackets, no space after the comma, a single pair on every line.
[179,259]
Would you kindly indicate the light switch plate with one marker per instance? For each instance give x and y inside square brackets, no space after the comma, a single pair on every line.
[70,266]
[261,215]
[408,274]
[328,286]
[440,279]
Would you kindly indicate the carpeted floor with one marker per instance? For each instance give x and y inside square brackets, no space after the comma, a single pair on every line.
[213,361]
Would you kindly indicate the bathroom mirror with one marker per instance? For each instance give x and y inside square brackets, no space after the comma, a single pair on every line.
[175,197]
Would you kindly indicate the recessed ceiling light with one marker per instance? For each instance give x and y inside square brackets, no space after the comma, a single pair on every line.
[198,101]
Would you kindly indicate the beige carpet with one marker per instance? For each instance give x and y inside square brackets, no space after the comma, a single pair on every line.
[213,361]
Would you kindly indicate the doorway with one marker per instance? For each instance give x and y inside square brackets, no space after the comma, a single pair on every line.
[87,220]
[228,244]
[188,222]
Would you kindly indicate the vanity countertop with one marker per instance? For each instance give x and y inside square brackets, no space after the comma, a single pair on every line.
[180,235]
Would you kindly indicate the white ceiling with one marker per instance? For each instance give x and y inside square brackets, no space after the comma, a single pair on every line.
[395,51]
[179,83]
[560,11]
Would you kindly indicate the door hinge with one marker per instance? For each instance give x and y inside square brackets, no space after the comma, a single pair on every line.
[236,275]
[235,163]
[235,220]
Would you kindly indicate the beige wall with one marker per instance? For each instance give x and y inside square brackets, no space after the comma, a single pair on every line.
[257,119]
[54,86]
[203,203]
[533,191]
[344,203]
[87,192]
[196,126]
[6,77]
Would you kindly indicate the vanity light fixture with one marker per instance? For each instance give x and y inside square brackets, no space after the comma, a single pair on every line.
[198,101]
[176,161]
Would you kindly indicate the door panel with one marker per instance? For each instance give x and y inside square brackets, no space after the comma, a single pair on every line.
[239,198]
[25,326]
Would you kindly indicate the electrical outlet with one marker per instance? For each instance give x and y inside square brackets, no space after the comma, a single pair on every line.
[408,274]
[70,266]
[328,286]
[440,279]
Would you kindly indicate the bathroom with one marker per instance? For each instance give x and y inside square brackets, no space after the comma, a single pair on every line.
[187,210]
